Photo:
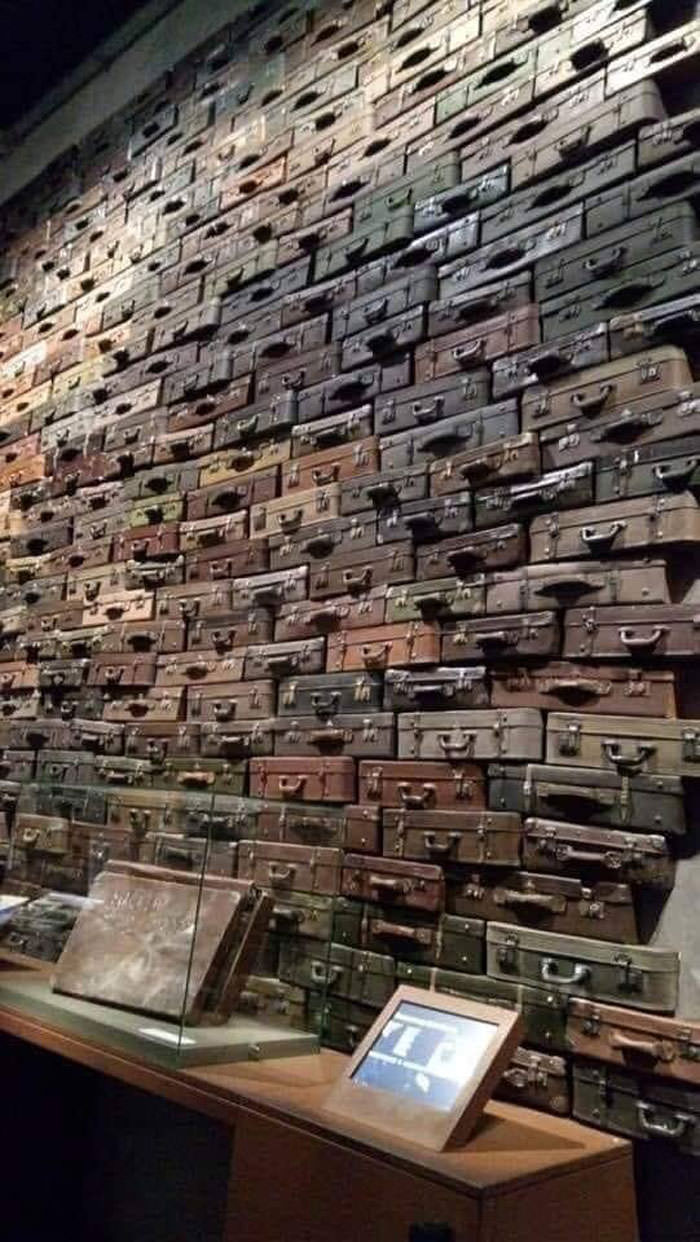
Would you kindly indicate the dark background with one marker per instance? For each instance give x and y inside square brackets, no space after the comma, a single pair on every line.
[43,40]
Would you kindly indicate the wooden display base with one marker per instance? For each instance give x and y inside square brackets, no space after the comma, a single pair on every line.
[152,1039]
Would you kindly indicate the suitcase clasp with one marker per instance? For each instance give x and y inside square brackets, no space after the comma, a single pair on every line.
[631,977]
[691,746]
[569,742]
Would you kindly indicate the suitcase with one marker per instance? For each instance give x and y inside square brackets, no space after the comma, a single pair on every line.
[544,364]
[381,646]
[435,687]
[594,688]
[543,1010]
[501,638]
[271,590]
[634,858]
[621,526]
[558,489]
[234,629]
[391,488]
[288,514]
[411,934]
[669,466]
[471,194]
[416,886]
[320,540]
[642,632]
[252,700]
[636,1105]
[201,668]
[640,976]
[507,257]
[421,786]
[607,389]
[596,258]
[668,1048]
[444,598]
[677,51]
[464,308]
[434,401]
[197,774]
[243,463]
[471,346]
[564,904]
[349,828]
[474,837]
[258,489]
[516,457]
[653,804]
[304,778]
[560,61]
[336,430]
[246,426]
[326,696]
[621,744]
[671,323]
[352,388]
[576,582]
[381,340]
[472,735]
[358,572]
[333,465]
[536,1080]
[281,868]
[282,659]
[424,520]
[654,189]
[303,914]
[643,421]
[308,618]
[673,274]
[395,300]
[355,975]
[465,555]
[350,734]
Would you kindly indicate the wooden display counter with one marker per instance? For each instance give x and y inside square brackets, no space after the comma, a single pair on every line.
[296,1174]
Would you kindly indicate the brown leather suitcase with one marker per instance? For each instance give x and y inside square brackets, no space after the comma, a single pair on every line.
[544,364]
[537,1080]
[186,668]
[224,561]
[473,735]
[380,647]
[674,322]
[468,554]
[281,868]
[158,741]
[119,607]
[357,572]
[577,582]
[595,688]
[623,525]
[213,531]
[501,638]
[471,346]
[232,701]
[298,372]
[379,341]
[476,837]
[391,302]
[424,520]
[421,786]
[104,670]
[348,734]
[664,1047]
[458,309]
[309,618]
[242,425]
[194,601]
[239,741]
[257,488]
[284,659]
[332,465]
[234,629]
[405,884]
[306,779]
[637,631]
[663,467]
[631,857]
[555,903]
[158,704]
[349,827]
[242,463]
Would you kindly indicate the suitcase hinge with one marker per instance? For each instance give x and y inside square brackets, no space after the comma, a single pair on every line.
[569,742]
[506,954]
[631,977]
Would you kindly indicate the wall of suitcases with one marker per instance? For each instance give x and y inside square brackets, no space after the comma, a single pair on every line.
[349,470]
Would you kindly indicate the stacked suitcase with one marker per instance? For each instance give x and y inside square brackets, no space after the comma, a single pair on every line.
[349,464]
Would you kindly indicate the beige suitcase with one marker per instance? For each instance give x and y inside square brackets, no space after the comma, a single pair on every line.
[624,525]
[624,744]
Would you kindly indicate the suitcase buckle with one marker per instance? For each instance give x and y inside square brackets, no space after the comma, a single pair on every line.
[570,740]
[631,977]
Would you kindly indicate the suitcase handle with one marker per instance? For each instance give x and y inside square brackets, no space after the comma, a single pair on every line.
[671,476]
[548,364]
[380,493]
[198,668]
[375,311]
[632,762]
[602,539]
[289,787]
[478,467]
[421,524]
[324,706]
[477,308]
[384,883]
[381,342]
[321,478]
[429,690]
[223,640]
[241,460]
[246,426]
[576,686]
[415,802]
[495,638]
[655,1049]
[568,586]
[442,848]
[466,557]
[671,184]
[427,413]
[608,264]
[329,436]
[397,931]
[539,901]
[544,17]
[323,975]
[198,779]
[290,521]
[628,292]
[551,195]
[666,325]
[671,1129]
[377,656]
[465,355]
[641,642]
[578,795]
[229,499]
[326,618]
[224,711]
[356,251]
[277,874]
[318,544]
[282,914]
[290,660]
[589,54]
[271,593]
[319,736]
[429,605]
[592,403]
[549,973]
[459,746]
[357,582]
[572,146]
[137,707]
[114,611]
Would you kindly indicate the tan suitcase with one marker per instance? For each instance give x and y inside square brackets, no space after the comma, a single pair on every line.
[480,735]
[667,1047]
[383,646]
[533,587]
[625,745]
[624,525]
[290,513]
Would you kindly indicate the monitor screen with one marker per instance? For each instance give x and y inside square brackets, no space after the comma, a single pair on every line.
[425,1054]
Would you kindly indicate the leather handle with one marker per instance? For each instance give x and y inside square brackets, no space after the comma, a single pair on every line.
[457,746]
[199,779]
[416,801]
[277,874]
[592,403]
[676,475]
[539,901]
[641,642]
[385,883]
[397,931]
[357,582]
[377,656]
[627,762]
[549,973]
[605,265]
[440,848]
[672,1129]
[598,538]
[289,787]
[574,685]
[654,1049]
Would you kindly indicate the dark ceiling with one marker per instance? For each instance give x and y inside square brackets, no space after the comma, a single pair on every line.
[43,40]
